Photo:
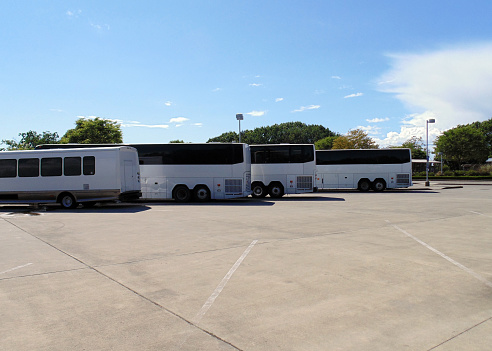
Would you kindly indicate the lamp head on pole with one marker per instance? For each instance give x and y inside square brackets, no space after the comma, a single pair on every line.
[239,116]
[432,120]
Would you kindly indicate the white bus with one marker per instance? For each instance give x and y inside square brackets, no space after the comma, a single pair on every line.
[186,171]
[364,169]
[278,169]
[69,176]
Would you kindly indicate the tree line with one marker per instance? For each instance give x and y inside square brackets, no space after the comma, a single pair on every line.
[464,144]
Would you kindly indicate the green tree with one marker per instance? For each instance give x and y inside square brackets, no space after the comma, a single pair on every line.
[462,144]
[325,143]
[177,141]
[355,139]
[31,139]
[289,132]
[94,131]
[228,137]
[416,146]
[485,128]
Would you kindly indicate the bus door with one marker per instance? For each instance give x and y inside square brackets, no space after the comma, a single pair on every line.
[129,176]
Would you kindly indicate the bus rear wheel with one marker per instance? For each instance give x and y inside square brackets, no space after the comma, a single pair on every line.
[67,201]
[202,193]
[276,190]
[379,185]
[259,190]
[181,193]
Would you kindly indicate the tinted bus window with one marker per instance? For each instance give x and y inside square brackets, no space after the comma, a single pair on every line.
[282,154]
[189,154]
[28,167]
[72,166]
[353,157]
[8,168]
[51,166]
[301,153]
[89,165]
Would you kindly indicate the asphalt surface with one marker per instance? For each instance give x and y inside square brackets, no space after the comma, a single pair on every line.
[338,270]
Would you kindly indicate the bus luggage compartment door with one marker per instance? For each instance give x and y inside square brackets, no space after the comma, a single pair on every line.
[328,181]
[154,188]
[346,181]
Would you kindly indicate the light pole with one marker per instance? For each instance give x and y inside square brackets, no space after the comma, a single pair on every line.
[239,117]
[427,183]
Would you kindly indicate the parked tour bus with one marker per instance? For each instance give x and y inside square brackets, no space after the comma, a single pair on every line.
[69,176]
[366,169]
[186,171]
[278,169]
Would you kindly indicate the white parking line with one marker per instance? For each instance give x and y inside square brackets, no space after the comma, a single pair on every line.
[222,284]
[457,264]
[13,269]
[478,213]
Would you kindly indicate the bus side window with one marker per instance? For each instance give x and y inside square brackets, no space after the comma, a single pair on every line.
[29,167]
[8,168]
[89,165]
[72,166]
[51,167]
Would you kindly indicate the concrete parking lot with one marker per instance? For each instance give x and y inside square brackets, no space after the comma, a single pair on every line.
[338,270]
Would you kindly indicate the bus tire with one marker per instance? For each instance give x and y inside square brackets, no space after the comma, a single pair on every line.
[364,185]
[67,201]
[276,190]
[259,190]
[202,193]
[379,185]
[181,193]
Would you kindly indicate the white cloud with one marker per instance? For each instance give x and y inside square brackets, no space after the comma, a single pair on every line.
[178,120]
[353,95]
[256,113]
[198,124]
[216,90]
[304,108]
[279,99]
[336,77]
[99,26]
[168,103]
[451,85]
[373,130]
[138,124]
[75,14]
[412,125]
[255,85]
[377,120]
[454,84]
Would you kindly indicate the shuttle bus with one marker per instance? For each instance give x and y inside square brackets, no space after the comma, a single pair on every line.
[364,169]
[186,171]
[278,169]
[69,176]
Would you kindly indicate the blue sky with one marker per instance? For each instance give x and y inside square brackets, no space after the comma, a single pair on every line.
[171,70]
